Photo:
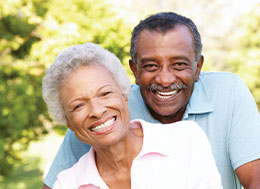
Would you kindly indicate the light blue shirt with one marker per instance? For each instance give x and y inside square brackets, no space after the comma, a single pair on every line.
[223,107]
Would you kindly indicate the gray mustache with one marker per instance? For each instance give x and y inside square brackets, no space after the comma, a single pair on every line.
[174,86]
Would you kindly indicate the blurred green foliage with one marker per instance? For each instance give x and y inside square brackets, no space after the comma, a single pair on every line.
[26,175]
[20,117]
[32,33]
[245,59]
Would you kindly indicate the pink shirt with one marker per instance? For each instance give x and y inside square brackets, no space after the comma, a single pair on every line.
[176,155]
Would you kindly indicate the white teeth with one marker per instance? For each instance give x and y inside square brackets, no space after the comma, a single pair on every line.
[103,125]
[166,95]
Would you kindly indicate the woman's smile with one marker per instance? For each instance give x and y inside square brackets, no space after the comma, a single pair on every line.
[104,127]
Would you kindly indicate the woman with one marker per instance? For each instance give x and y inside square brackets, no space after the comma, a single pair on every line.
[86,88]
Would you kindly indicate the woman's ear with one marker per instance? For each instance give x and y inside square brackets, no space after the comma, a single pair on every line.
[126,98]
[68,124]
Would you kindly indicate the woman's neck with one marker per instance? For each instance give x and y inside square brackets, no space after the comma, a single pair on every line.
[114,163]
[120,155]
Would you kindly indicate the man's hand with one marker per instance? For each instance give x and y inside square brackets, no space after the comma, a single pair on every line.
[45,187]
[249,174]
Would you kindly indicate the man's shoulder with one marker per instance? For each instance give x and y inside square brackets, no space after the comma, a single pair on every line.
[218,76]
[134,88]
[215,81]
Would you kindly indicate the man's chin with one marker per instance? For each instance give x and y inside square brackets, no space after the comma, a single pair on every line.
[166,114]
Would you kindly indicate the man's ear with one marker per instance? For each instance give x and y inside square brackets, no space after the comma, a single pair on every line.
[133,67]
[198,68]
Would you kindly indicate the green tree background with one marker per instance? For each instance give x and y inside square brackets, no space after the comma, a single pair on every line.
[245,58]
[33,32]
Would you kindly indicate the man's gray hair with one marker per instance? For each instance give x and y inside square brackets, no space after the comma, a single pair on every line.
[70,59]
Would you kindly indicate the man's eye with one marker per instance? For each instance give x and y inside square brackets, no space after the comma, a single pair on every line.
[150,67]
[179,65]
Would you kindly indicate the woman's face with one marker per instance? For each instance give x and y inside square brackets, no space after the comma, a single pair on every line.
[95,108]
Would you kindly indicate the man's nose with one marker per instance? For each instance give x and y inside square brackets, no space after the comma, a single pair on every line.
[165,77]
[97,108]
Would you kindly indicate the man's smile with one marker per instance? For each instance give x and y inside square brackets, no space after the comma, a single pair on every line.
[166,95]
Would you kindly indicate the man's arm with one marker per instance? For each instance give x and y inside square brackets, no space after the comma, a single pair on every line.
[69,153]
[244,138]
[249,174]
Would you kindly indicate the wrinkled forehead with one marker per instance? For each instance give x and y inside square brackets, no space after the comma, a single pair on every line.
[93,76]
[179,33]
[91,73]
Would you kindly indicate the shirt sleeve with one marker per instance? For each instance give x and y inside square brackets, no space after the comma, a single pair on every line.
[244,139]
[203,169]
[69,153]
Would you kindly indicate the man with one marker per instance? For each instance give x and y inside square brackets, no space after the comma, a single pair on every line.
[166,61]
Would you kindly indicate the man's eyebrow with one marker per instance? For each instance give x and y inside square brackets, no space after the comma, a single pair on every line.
[180,58]
[144,60]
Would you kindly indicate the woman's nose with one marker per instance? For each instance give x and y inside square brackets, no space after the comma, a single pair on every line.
[97,108]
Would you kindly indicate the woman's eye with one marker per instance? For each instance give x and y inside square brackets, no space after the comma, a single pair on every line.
[78,106]
[106,93]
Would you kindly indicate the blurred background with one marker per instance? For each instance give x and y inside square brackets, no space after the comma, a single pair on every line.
[33,32]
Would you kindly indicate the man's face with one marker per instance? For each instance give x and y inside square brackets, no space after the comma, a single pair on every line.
[166,71]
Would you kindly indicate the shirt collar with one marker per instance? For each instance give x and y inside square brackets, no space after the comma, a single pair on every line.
[90,174]
[150,142]
[150,145]
[199,102]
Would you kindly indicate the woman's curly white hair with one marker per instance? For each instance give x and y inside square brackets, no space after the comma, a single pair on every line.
[70,59]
